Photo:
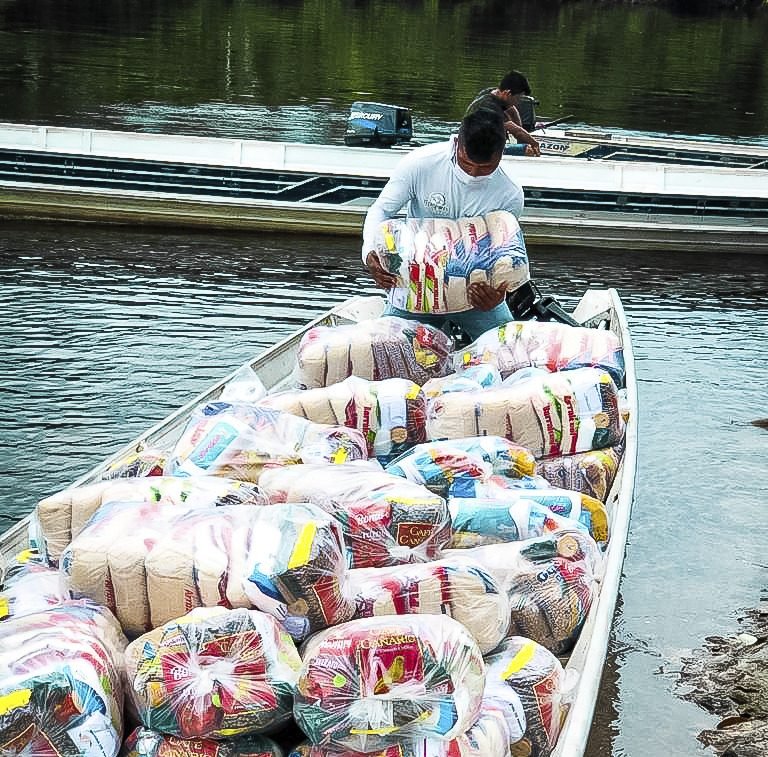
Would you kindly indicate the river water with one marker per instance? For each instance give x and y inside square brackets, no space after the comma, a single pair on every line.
[103,331]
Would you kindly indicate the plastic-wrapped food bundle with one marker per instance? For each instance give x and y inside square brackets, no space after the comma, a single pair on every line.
[385,519]
[590,473]
[376,349]
[213,673]
[60,683]
[537,678]
[449,467]
[63,515]
[144,742]
[486,521]
[551,582]
[144,461]
[30,586]
[436,259]
[153,564]
[244,386]
[550,345]
[390,414]
[457,588]
[471,378]
[241,439]
[560,413]
[373,682]
[519,514]
[489,736]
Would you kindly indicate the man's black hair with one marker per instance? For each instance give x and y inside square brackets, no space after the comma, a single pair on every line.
[482,131]
[516,83]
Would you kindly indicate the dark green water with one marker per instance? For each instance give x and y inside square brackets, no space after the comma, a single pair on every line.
[105,331]
[289,70]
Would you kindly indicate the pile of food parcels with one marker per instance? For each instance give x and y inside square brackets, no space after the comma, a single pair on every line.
[385,559]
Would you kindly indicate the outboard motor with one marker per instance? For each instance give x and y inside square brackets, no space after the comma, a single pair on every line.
[527,110]
[378,125]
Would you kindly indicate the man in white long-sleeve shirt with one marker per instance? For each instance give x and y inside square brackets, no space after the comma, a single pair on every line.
[459,178]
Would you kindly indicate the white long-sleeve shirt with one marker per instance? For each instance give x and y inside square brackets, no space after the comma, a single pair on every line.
[431,182]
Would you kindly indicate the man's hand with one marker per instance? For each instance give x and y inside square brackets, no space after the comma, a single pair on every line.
[484,297]
[534,147]
[383,278]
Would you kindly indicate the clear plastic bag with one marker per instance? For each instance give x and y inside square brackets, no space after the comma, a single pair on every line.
[450,467]
[489,736]
[551,581]
[519,514]
[560,413]
[60,683]
[537,681]
[436,259]
[30,586]
[143,742]
[213,673]
[591,473]
[390,414]
[376,349]
[244,386]
[239,439]
[144,461]
[463,590]
[545,344]
[153,564]
[471,378]
[385,519]
[63,515]
[371,683]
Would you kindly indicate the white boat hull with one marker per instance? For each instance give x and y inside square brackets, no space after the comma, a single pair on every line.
[623,205]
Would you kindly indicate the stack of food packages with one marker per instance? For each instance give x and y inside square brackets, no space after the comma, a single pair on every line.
[435,260]
[386,557]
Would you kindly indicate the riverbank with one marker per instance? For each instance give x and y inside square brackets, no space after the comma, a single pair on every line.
[729,678]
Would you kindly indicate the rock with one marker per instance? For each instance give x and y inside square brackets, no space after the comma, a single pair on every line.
[729,677]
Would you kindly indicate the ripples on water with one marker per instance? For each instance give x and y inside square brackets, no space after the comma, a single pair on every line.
[104,332]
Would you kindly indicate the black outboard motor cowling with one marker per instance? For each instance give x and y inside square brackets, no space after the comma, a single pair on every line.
[527,110]
[378,125]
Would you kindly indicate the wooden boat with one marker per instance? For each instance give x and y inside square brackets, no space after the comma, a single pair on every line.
[87,175]
[597,308]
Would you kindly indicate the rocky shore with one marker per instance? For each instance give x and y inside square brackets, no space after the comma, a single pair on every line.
[729,678]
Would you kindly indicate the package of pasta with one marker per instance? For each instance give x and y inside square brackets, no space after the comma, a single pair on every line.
[29,586]
[591,473]
[436,259]
[489,736]
[213,673]
[516,514]
[375,349]
[390,414]
[457,588]
[554,414]
[551,582]
[471,378]
[152,564]
[544,344]
[60,683]
[522,672]
[144,742]
[450,467]
[385,519]
[373,682]
[239,440]
[63,515]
